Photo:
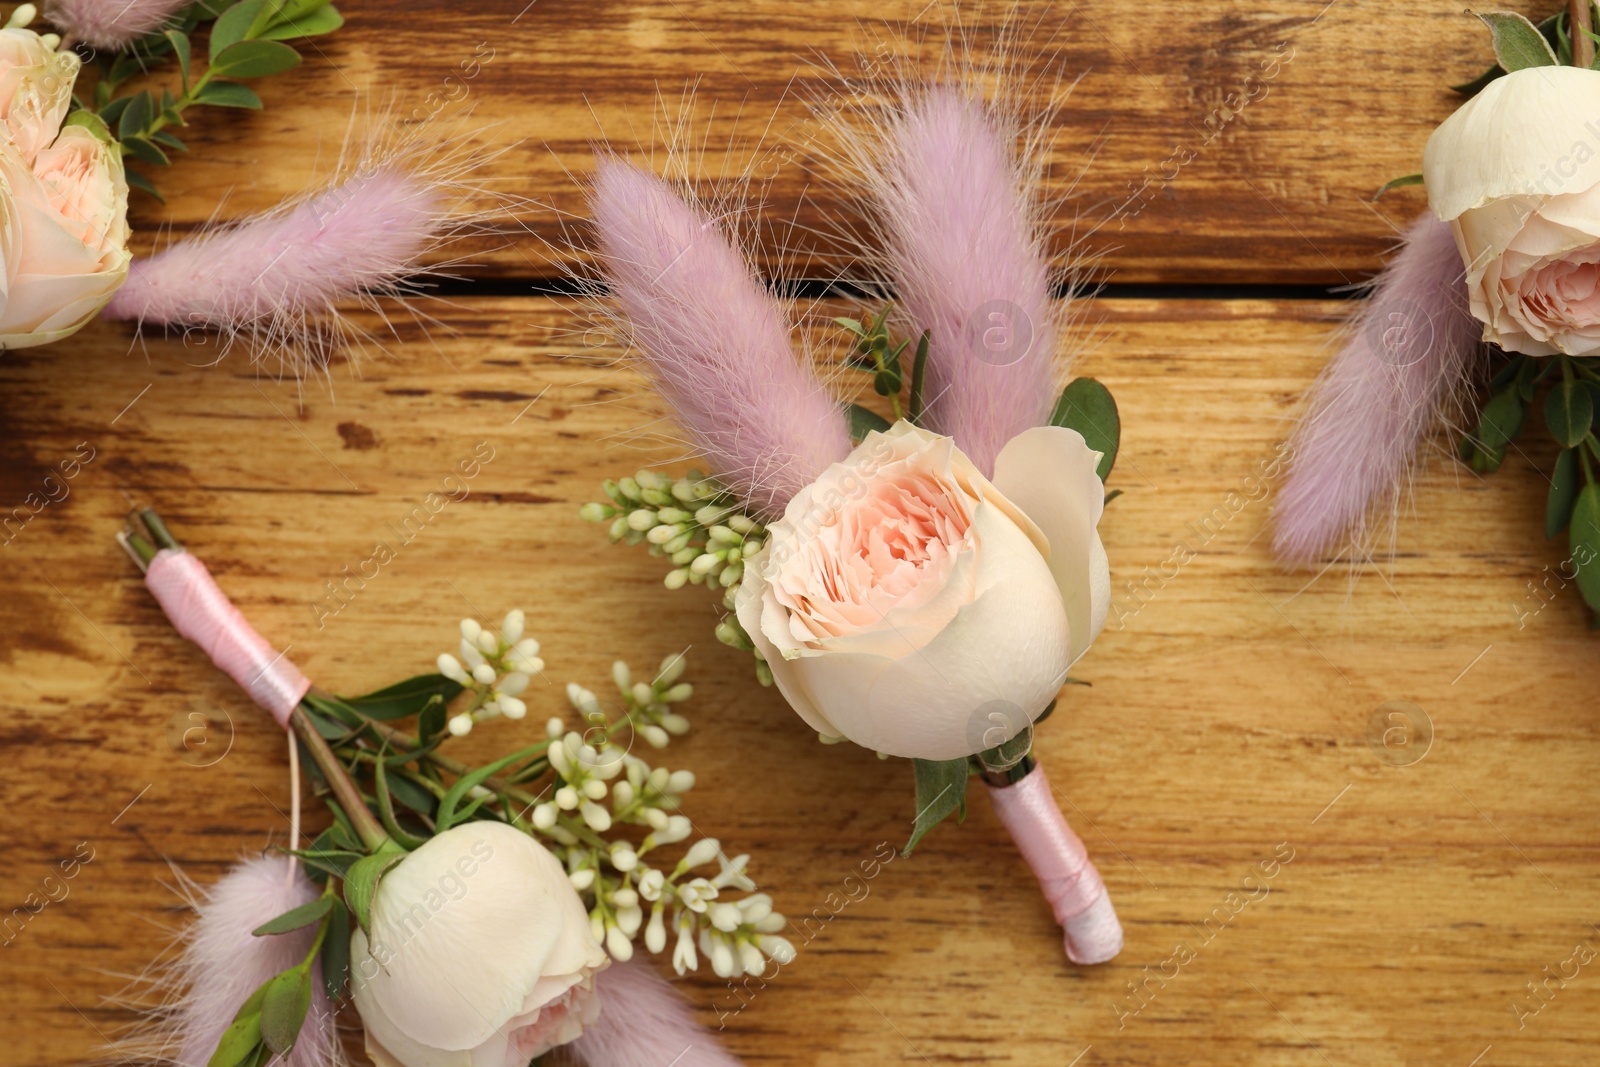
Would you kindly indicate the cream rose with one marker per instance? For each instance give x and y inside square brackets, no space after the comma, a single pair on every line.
[481,954]
[1516,173]
[63,236]
[35,89]
[903,595]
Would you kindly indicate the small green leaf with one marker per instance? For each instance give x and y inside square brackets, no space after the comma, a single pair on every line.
[324,20]
[852,325]
[361,881]
[136,115]
[171,141]
[1398,183]
[886,383]
[447,816]
[255,59]
[432,721]
[144,185]
[1088,407]
[1584,538]
[863,421]
[228,94]
[1498,425]
[405,698]
[941,789]
[412,795]
[180,47]
[336,862]
[919,369]
[1563,492]
[233,26]
[295,918]
[336,951]
[145,151]
[1518,44]
[1569,412]
[283,1011]
[238,1043]
[386,810]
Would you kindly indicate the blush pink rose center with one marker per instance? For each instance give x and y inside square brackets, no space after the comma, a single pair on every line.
[889,550]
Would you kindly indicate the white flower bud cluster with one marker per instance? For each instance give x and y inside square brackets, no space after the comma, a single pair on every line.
[495,667]
[696,524]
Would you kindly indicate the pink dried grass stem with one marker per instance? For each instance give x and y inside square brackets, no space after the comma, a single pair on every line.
[968,261]
[221,963]
[111,24]
[713,340]
[1407,359]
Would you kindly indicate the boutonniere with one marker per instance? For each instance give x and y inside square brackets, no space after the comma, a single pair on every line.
[1499,281]
[470,915]
[922,584]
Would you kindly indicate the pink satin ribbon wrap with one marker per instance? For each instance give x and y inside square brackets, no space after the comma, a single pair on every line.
[202,612]
[1066,874]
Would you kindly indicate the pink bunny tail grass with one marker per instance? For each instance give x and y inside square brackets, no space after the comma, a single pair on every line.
[969,264]
[1409,355]
[111,24]
[280,281]
[644,1023]
[221,963]
[713,340]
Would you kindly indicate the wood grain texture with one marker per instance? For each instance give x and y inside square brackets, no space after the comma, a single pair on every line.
[1229,719]
[1216,141]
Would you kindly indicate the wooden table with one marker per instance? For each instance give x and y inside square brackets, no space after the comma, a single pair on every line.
[1231,719]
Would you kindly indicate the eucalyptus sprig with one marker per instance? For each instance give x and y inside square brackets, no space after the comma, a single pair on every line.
[247,41]
[876,352]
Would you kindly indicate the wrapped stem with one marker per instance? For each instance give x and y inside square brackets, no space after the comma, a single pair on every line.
[1072,885]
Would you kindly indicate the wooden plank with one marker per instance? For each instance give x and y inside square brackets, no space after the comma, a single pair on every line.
[1261,128]
[1229,719]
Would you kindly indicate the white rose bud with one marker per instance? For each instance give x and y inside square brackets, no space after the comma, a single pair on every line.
[472,981]
[1012,588]
[1516,173]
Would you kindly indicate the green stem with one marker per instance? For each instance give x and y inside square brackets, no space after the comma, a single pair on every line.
[361,818]
[1580,24]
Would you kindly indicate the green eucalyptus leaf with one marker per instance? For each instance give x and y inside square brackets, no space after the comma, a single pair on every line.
[1498,425]
[863,421]
[1518,44]
[405,698]
[323,20]
[295,918]
[180,47]
[941,789]
[1563,492]
[886,382]
[1584,538]
[361,881]
[1088,407]
[1569,412]
[125,66]
[283,1011]
[171,141]
[233,25]
[228,94]
[336,951]
[112,113]
[255,59]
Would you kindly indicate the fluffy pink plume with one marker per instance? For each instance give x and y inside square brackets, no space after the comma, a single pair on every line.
[1409,354]
[713,340]
[111,24]
[223,963]
[644,1023]
[282,276]
[957,216]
